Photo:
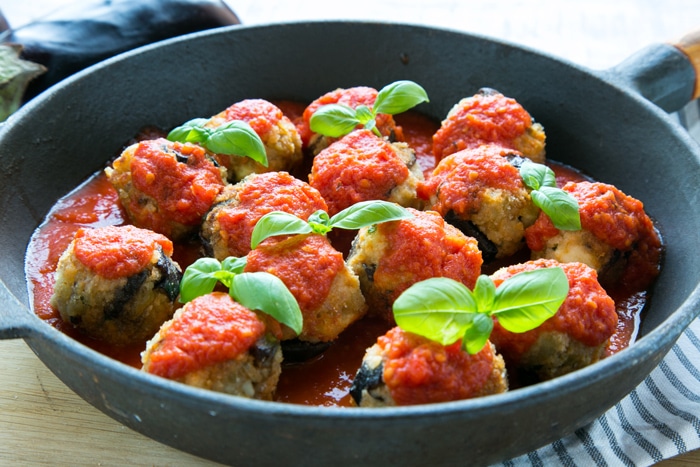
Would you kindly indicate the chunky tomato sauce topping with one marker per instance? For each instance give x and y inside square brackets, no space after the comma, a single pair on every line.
[587,315]
[459,180]
[208,330]
[417,370]
[261,194]
[183,191]
[425,246]
[358,167]
[260,114]
[113,252]
[483,118]
[306,264]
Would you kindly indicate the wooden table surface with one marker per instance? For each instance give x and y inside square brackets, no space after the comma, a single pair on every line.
[42,422]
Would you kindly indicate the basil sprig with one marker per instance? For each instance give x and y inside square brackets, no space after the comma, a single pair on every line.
[254,290]
[559,205]
[358,215]
[234,138]
[337,120]
[444,310]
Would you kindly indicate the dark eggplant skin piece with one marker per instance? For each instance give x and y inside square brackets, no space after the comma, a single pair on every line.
[90,31]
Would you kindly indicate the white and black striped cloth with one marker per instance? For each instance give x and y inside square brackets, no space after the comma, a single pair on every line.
[659,419]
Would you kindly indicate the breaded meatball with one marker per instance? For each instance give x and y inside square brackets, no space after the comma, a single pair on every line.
[573,338]
[363,167]
[117,284]
[166,187]
[215,343]
[351,97]
[482,193]
[489,117]
[617,238]
[406,369]
[327,291]
[277,132]
[228,226]
[390,257]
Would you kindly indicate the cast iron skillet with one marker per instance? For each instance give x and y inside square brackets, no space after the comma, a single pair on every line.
[601,122]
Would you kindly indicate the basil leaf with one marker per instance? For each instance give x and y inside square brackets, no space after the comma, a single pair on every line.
[277,223]
[199,279]
[334,120]
[192,131]
[320,222]
[367,213]
[398,97]
[560,206]
[529,298]
[536,176]
[267,293]
[237,138]
[484,293]
[477,332]
[364,115]
[233,264]
[438,308]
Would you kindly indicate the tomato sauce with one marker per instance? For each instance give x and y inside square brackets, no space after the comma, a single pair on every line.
[210,329]
[323,381]
[359,167]
[418,370]
[118,251]
[260,114]
[482,118]
[289,260]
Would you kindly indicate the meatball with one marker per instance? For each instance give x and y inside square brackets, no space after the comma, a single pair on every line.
[117,284]
[228,226]
[363,167]
[482,193]
[351,97]
[617,238]
[406,369]
[392,256]
[489,117]
[277,132]
[327,291]
[576,336]
[166,187]
[215,343]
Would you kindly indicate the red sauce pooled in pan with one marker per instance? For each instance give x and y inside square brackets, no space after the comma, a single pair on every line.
[323,381]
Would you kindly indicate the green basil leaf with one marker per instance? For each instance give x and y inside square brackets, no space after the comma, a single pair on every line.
[334,120]
[367,213]
[438,308]
[199,279]
[536,176]
[484,293]
[364,115]
[237,138]
[398,97]
[320,222]
[277,223]
[234,265]
[526,300]
[267,293]
[192,131]
[560,206]
[477,333]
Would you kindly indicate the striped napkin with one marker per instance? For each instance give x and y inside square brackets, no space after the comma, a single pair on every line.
[659,419]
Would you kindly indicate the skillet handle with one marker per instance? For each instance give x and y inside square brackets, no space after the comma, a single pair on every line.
[690,46]
[665,74]
[16,320]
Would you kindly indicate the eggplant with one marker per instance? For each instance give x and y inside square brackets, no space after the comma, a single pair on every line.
[90,31]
